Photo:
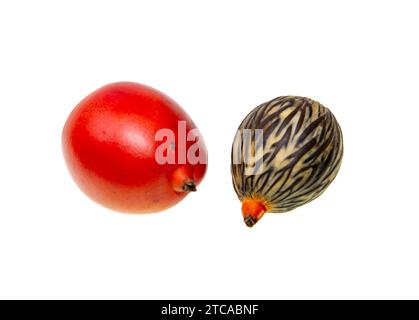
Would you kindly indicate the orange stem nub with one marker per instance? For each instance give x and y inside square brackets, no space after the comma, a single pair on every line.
[253,210]
[182,180]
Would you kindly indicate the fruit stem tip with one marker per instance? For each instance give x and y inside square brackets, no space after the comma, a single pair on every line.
[252,210]
[189,186]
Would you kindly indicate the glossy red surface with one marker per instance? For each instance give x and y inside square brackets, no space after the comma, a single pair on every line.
[109,147]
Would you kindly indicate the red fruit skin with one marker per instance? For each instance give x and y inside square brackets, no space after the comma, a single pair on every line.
[109,146]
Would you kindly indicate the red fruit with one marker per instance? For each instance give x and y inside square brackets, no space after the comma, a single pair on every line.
[118,140]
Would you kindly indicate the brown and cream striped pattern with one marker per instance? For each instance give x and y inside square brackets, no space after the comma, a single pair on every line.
[295,160]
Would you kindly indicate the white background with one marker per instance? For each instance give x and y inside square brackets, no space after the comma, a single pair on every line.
[218,59]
